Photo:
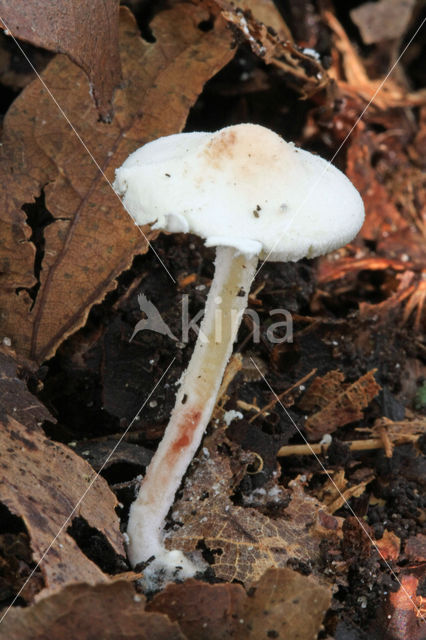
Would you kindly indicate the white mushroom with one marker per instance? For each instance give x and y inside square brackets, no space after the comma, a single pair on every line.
[250,194]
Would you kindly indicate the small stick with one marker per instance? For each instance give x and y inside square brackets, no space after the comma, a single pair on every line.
[354,445]
[284,393]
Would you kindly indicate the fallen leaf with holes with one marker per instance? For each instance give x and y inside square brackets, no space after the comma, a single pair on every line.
[242,540]
[304,72]
[88,239]
[203,611]
[339,403]
[42,482]
[88,34]
[284,604]
[111,612]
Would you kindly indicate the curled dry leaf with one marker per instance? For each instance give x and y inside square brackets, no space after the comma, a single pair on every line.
[242,540]
[41,482]
[110,611]
[265,12]
[304,72]
[87,33]
[88,237]
[339,403]
[203,611]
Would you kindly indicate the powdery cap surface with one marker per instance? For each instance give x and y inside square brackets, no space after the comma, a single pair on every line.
[242,186]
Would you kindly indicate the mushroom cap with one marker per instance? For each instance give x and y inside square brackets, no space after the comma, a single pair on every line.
[244,187]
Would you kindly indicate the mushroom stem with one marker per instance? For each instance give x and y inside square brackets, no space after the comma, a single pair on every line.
[194,405]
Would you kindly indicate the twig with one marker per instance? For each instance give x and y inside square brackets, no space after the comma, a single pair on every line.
[354,445]
[284,393]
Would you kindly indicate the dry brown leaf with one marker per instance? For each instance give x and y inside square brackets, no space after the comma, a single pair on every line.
[383,20]
[243,541]
[111,612]
[203,611]
[330,269]
[90,239]
[314,398]
[352,492]
[389,546]
[304,72]
[284,604]
[415,548]
[16,400]
[338,403]
[382,216]
[403,620]
[86,32]
[273,608]
[335,491]
[266,12]
[41,482]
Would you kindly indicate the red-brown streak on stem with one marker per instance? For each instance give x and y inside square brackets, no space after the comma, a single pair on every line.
[189,424]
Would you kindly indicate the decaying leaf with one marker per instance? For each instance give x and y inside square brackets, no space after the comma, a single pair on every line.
[265,12]
[415,548]
[41,482]
[16,400]
[110,611]
[356,82]
[284,604]
[89,239]
[304,72]
[406,612]
[389,546]
[203,611]
[330,269]
[87,33]
[335,492]
[337,403]
[243,541]
[382,216]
